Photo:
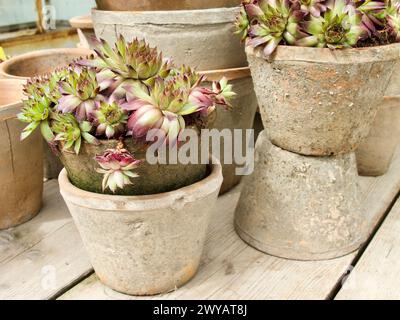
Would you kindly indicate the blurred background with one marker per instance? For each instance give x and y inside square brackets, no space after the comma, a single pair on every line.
[21,32]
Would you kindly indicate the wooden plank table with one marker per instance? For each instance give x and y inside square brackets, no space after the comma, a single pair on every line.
[45,259]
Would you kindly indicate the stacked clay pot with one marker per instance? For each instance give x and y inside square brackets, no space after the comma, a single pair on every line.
[317,105]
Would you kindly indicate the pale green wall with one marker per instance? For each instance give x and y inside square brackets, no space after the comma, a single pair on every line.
[23,11]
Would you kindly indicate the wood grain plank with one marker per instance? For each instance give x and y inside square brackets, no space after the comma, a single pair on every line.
[43,256]
[232,270]
[376,275]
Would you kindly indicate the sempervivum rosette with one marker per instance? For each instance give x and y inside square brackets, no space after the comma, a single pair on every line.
[80,91]
[110,120]
[126,64]
[164,105]
[116,165]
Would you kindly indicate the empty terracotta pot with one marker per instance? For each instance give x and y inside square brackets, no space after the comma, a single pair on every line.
[21,163]
[241,116]
[321,102]
[148,5]
[301,207]
[35,63]
[375,153]
[144,245]
[199,38]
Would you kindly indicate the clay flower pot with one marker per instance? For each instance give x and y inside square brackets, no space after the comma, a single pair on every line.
[199,38]
[375,153]
[144,245]
[241,116]
[35,63]
[21,163]
[152,179]
[148,5]
[300,207]
[319,101]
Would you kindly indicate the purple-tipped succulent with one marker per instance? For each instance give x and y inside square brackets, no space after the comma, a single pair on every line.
[271,22]
[126,64]
[169,100]
[110,120]
[80,92]
[339,27]
[116,166]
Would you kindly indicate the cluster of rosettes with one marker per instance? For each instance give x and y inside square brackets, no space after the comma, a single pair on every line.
[125,90]
[333,24]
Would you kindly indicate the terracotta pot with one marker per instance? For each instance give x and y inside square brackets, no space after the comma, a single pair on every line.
[300,207]
[241,116]
[375,153]
[393,89]
[144,245]
[318,101]
[35,63]
[21,163]
[149,5]
[152,179]
[198,38]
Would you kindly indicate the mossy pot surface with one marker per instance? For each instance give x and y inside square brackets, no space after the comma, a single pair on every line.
[152,179]
[321,102]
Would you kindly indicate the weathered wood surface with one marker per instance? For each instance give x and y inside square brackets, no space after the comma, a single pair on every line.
[232,270]
[376,275]
[43,256]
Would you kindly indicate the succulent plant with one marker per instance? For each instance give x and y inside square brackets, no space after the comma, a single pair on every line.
[110,120]
[126,64]
[36,111]
[339,27]
[393,19]
[70,132]
[169,100]
[116,165]
[80,92]
[270,23]
[313,7]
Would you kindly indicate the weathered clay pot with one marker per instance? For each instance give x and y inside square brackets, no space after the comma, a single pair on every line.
[35,63]
[148,5]
[241,116]
[144,245]
[393,89]
[319,101]
[300,207]
[198,38]
[375,153]
[85,30]
[152,179]
[21,163]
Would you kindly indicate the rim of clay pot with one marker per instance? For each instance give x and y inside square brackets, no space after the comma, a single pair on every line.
[12,106]
[5,66]
[325,55]
[81,22]
[230,74]
[170,199]
[203,16]
[146,5]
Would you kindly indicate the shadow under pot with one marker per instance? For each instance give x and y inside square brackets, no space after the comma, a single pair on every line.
[145,245]
[26,66]
[21,162]
[320,102]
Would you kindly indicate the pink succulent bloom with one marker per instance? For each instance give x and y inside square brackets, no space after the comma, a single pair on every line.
[116,165]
